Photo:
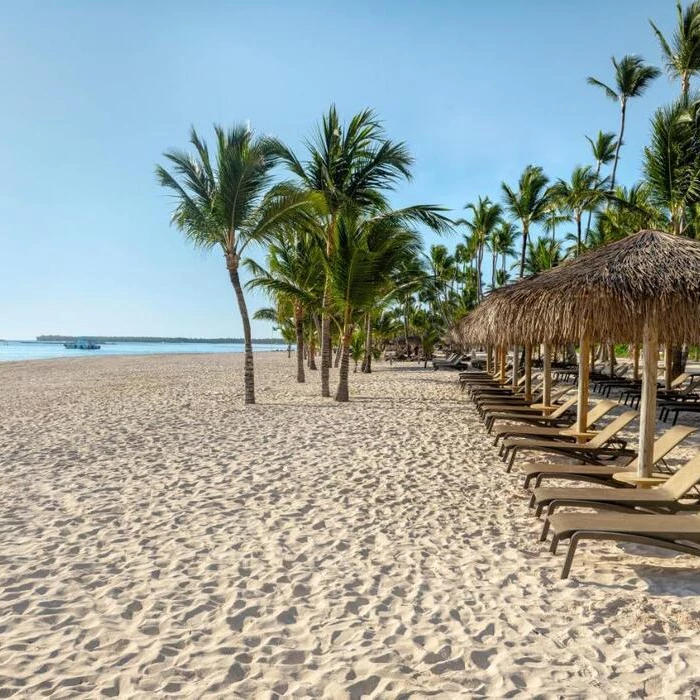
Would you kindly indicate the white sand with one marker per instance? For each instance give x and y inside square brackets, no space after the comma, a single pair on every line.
[156,537]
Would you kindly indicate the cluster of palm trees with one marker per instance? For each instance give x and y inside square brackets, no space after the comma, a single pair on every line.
[336,253]
[345,270]
[591,207]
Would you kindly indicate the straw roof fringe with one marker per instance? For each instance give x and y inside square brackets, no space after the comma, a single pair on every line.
[605,293]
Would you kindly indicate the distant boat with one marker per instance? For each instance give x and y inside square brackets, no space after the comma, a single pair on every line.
[81,344]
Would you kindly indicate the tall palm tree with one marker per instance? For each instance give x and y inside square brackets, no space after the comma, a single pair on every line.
[632,78]
[528,203]
[366,251]
[348,166]
[506,234]
[671,162]
[682,54]
[228,201]
[443,270]
[579,195]
[603,149]
[486,216]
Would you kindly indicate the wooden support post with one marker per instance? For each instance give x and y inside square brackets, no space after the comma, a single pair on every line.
[612,359]
[647,418]
[668,362]
[502,358]
[528,372]
[635,375]
[582,411]
[515,367]
[547,375]
[489,366]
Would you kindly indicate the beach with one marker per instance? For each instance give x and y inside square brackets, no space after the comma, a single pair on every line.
[158,538]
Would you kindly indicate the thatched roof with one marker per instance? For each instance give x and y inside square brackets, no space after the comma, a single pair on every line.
[606,293]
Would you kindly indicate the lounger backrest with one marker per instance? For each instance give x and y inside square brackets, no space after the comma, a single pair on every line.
[682,481]
[682,377]
[670,439]
[600,408]
[564,407]
[613,428]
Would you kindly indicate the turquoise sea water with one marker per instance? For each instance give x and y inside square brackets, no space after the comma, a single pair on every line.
[13,350]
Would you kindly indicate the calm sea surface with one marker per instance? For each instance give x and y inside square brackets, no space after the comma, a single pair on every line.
[33,350]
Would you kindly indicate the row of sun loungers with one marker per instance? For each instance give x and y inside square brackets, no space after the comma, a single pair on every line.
[667,516]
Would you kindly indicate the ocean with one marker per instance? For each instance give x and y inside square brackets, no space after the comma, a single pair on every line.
[13,350]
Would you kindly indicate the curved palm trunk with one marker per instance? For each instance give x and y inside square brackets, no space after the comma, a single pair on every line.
[493,270]
[524,250]
[299,327]
[623,109]
[248,373]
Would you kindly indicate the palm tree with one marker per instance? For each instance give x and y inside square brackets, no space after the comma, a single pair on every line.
[443,270]
[293,276]
[486,216]
[528,203]
[347,167]
[671,161]
[579,195]
[682,55]
[228,202]
[632,78]
[365,253]
[603,149]
[542,255]
[506,233]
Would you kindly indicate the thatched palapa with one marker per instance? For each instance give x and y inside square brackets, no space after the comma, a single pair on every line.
[645,287]
[606,294]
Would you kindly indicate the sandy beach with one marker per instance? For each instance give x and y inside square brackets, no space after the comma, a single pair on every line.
[159,539]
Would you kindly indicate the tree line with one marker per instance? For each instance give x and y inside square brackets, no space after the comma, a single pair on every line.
[344,269]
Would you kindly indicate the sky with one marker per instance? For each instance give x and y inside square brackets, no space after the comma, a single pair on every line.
[94,91]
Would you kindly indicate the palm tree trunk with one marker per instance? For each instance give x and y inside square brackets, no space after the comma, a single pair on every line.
[493,270]
[343,394]
[248,373]
[578,234]
[367,360]
[619,143]
[326,350]
[590,211]
[524,251]
[299,327]
[338,353]
[312,344]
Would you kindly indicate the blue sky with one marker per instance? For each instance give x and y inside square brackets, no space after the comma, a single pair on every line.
[95,91]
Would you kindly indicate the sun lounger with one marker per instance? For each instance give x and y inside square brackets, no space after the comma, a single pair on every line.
[678,533]
[600,409]
[663,499]
[605,444]
[602,474]
[535,414]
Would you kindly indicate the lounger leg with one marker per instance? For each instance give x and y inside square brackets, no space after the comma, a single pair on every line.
[554,545]
[545,530]
[570,555]
[511,460]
